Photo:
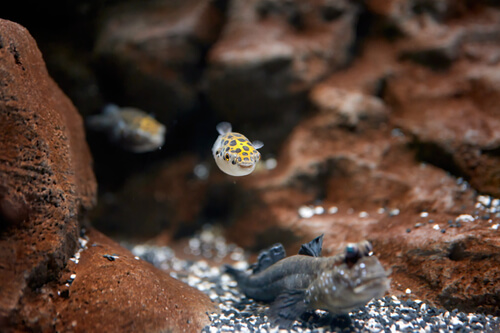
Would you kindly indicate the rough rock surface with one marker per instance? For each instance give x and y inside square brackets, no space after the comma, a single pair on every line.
[150,54]
[50,278]
[46,178]
[110,282]
[269,54]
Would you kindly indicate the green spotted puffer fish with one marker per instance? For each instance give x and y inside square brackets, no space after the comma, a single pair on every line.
[132,129]
[234,153]
[303,283]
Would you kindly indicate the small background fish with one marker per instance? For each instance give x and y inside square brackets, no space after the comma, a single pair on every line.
[234,153]
[131,128]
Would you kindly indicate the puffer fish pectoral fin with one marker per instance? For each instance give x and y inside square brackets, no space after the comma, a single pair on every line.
[313,248]
[257,144]
[224,128]
[288,307]
[268,257]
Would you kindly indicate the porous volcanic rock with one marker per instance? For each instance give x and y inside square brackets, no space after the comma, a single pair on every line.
[269,54]
[46,178]
[112,291]
[150,55]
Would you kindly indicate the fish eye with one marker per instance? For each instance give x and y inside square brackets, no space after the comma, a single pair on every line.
[227,157]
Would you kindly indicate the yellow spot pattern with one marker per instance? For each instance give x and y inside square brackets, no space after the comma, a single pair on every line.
[238,146]
[149,125]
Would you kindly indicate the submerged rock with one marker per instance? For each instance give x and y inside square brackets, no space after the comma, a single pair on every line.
[51,278]
[46,178]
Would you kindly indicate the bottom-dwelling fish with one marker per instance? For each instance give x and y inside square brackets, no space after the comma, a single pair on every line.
[306,282]
[134,130]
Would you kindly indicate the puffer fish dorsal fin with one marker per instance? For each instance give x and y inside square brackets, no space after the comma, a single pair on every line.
[257,144]
[313,248]
[268,257]
[224,128]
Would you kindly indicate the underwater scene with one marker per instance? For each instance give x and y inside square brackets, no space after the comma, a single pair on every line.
[250,166]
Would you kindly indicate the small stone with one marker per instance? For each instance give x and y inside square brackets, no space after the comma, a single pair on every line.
[271,163]
[465,218]
[333,210]
[306,212]
[436,227]
[394,212]
[408,291]
[484,200]
[318,210]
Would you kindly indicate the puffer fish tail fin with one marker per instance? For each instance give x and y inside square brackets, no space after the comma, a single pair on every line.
[107,119]
[268,257]
[224,128]
[288,307]
[110,109]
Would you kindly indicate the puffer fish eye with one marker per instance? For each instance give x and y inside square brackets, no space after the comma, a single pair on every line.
[227,157]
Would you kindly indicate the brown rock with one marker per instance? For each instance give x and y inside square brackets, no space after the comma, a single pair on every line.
[451,126]
[149,55]
[46,178]
[270,53]
[126,295]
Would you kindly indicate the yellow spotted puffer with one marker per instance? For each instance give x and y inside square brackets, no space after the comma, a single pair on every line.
[132,129]
[234,153]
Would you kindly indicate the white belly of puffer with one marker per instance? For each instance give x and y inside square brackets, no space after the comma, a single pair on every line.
[233,169]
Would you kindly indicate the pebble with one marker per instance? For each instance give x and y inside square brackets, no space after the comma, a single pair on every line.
[464,218]
[333,210]
[306,212]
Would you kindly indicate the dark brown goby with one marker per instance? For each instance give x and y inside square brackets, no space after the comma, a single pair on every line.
[307,281]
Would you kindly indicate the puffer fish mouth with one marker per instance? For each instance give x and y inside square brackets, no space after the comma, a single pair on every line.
[245,165]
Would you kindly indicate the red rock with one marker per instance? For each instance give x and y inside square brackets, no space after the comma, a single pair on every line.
[269,54]
[126,295]
[46,177]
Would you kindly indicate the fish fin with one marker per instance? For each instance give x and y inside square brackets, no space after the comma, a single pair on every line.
[224,128]
[313,248]
[268,257]
[288,307]
[111,109]
[107,119]
[237,274]
[257,144]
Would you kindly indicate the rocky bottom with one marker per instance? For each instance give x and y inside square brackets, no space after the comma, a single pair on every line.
[241,314]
